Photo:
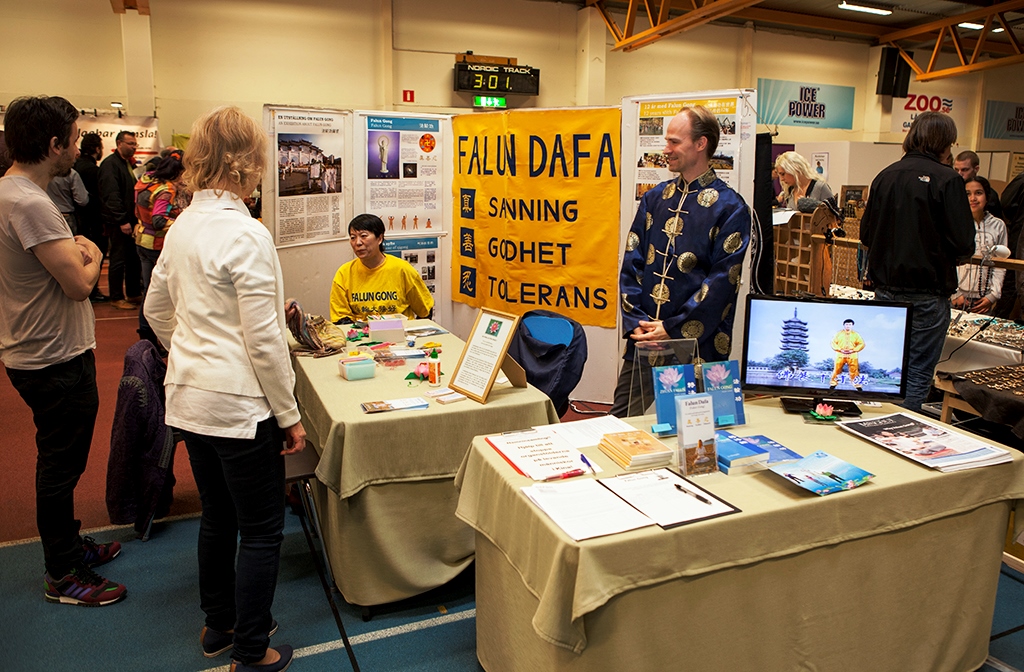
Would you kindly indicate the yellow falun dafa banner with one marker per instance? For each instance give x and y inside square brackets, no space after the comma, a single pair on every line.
[536,216]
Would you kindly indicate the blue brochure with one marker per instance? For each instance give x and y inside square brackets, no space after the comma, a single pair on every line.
[722,382]
[670,381]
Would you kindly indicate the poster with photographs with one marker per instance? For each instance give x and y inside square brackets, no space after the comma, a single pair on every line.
[309,198]
[423,253]
[652,125]
[403,172]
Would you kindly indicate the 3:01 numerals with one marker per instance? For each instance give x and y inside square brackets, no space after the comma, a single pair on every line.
[491,82]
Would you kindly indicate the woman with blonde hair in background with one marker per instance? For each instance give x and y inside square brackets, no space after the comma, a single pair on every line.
[217,303]
[799,181]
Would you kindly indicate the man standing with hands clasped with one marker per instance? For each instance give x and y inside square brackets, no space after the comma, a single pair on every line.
[47,336]
[684,255]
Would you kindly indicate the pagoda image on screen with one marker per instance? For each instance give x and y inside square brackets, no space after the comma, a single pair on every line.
[793,355]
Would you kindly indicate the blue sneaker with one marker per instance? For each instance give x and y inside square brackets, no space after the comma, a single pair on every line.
[94,555]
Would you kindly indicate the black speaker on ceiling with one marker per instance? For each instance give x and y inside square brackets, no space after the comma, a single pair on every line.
[902,80]
[893,74]
[887,71]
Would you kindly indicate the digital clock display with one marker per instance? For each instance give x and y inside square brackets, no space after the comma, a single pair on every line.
[489,78]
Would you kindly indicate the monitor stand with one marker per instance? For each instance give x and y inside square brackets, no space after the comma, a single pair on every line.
[845,409]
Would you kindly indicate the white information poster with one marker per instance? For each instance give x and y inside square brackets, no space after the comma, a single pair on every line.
[403,171]
[310,201]
[651,165]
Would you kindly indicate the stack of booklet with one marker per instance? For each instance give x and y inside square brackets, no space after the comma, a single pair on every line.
[929,444]
[636,450]
[738,457]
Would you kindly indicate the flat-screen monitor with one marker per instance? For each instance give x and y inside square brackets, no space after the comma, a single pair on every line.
[818,348]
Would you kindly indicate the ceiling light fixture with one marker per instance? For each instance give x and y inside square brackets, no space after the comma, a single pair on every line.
[865,9]
[116,105]
[970,26]
[997,30]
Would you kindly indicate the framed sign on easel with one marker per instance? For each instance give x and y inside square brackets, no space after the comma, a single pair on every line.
[485,353]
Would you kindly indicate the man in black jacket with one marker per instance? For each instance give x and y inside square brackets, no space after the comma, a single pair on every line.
[917,225]
[90,219]
[117,200]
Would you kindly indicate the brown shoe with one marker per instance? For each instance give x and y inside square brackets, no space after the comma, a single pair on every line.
[137,300]
[122,304]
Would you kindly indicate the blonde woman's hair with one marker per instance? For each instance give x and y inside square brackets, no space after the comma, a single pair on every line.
[227,148]
[796,165]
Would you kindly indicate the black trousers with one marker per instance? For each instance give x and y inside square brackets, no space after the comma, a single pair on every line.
[125,273]
[64,402]
[241,485]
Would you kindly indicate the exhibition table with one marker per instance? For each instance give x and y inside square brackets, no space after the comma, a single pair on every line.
[385,496]
[899,574]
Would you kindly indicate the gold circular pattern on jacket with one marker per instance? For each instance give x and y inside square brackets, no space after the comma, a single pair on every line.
[712,234]
[673,226]
[703,291]
[669,191]
[707,197]
[734,274]
[697,361]
[686,261]
[655,358]
[650,220]
[693,329]
[660,293]
[726,311]
[733,242]
[722,343]
[627,307]
[650,254]
[632,241]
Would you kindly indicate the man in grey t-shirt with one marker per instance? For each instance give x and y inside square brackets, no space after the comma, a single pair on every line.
[47,339]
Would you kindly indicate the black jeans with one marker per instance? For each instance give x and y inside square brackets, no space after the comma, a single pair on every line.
[124,275]
[64,402]
[241,485]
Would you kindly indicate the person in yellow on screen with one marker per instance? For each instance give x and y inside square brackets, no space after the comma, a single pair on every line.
[847,343]
[375,283]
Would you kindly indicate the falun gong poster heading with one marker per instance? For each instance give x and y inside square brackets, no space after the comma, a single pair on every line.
[536,217]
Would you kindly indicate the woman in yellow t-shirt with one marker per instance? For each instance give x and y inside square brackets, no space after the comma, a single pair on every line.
[375,283]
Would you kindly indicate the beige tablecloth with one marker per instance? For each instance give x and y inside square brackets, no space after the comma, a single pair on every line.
[387,502]
[855,580]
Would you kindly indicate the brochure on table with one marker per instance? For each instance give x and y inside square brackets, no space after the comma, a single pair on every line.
[926,443]
[644,124]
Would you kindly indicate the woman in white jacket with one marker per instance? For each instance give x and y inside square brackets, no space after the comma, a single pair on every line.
[217,303]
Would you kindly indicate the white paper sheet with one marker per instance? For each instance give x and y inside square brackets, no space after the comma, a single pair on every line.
[585,509]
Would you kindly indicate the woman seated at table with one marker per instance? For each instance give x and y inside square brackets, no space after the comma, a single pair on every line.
[375,283]
[979,287]
[799,180]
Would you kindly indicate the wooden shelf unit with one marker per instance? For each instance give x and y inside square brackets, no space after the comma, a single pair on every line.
[793,255]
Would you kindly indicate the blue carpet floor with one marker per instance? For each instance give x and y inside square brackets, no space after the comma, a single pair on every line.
[157,626]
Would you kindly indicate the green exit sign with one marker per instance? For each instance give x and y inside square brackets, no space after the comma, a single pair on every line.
[488,101]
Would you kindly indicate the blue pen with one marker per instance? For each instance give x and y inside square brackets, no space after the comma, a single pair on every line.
[587,462]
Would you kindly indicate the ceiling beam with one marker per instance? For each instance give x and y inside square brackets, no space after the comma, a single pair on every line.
[932,26]
[820,23]
[710,10]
